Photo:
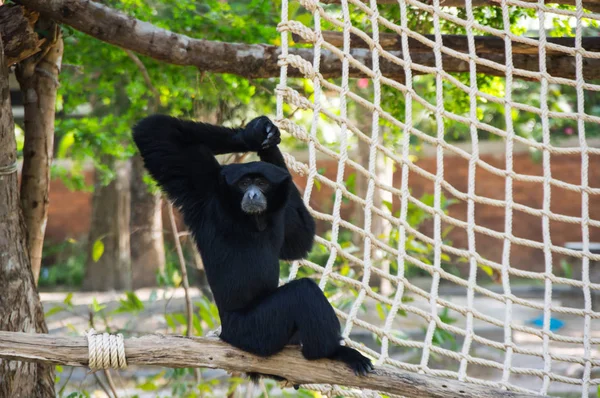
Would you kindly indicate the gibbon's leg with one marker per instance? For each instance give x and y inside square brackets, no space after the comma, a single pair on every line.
[269,325]
[296,307]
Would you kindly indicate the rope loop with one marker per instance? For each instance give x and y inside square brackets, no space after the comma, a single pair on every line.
[8,169]
[106,351]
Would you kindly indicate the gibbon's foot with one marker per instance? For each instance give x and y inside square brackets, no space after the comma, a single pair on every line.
[360,364]
[284,383]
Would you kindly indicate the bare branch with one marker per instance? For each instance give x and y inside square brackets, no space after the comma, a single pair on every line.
[140,65]
[182,352]
[259,60]
[184,276]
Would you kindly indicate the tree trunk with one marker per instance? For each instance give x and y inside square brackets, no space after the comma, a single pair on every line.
[147,244]
[38,79]
[20,307]
[379,226]
[110,226]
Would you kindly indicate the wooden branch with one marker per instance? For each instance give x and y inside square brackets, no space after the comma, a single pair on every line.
[257,60]
[592,5]
[18,36]
[38,80]
[182,352]
[483,44]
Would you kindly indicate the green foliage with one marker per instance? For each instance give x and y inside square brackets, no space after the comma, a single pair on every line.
[442,337]
[103,92]
[64,264]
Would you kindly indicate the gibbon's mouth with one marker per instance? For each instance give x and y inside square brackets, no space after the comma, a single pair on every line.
[254,208]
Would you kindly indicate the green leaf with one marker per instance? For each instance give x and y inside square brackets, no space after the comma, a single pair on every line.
[68,300]
[170,321]
[317,184]
[97,250]
[180,318]
[387,204]
[177,279]
[65,143]
[487,269]
[97,307]
[381,311]
[54,310]
[197,325]
[148,386]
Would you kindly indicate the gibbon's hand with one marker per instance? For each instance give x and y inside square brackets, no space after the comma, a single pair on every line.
[261,134]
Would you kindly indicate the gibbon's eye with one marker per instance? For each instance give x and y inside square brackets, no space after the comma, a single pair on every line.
[262,184]
[245,183]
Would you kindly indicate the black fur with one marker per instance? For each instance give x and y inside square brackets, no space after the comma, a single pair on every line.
[241,252]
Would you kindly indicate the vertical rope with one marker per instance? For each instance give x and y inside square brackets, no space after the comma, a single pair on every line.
[312,155]
[437,190]
[508,197]
[280,90]
[462,371]
[343,147]
[368,244]
[585,211]
[401,258]
[284,55]
[546,201]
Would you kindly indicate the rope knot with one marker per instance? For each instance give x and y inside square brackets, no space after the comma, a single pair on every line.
[106,351]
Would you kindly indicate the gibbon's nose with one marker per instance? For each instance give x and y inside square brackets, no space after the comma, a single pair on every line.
[253,195]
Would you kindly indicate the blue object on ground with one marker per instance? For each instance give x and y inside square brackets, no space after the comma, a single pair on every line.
[555,324]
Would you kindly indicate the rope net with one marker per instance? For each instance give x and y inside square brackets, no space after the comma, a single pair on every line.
[386,248]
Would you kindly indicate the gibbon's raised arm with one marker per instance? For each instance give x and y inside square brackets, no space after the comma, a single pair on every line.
[179,155]
[299,225]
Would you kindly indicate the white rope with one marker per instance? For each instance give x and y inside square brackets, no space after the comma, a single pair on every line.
[472,281]
[546,205]
[585,215]
[508,215]
[106,351]
[337,205]
[9,168]
[323,111]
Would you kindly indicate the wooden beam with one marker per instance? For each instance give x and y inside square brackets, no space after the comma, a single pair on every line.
[183,352]
[483,44]
[592,5]
[18,35]
[261,60]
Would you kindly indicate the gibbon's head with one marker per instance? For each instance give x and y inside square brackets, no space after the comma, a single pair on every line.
[257,187]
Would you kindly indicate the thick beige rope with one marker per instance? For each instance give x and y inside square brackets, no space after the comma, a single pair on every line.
[106,351]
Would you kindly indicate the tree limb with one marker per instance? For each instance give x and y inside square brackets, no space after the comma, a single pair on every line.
[182,352]
[592,5]
[483,44]
[260,60]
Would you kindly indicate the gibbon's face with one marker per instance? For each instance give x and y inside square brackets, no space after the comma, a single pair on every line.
[255,189]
